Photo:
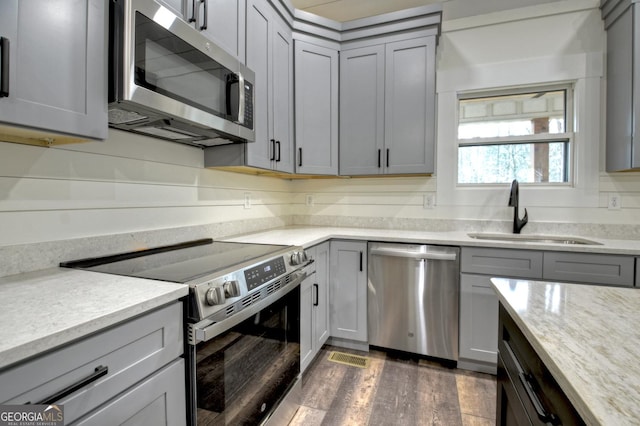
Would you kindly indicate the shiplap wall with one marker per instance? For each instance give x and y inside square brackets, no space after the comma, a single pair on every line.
[127,183]
[131,183]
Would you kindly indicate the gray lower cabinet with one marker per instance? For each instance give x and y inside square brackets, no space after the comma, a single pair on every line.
[316,108]
[269,53]
[348,292]
[478,321]
[591,268]
[127,368]
[479,303]
[622,21]
[387,108]
[157,400]
[53,66]
[314,306]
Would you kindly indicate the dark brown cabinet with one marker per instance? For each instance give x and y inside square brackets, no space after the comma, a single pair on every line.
[527,392]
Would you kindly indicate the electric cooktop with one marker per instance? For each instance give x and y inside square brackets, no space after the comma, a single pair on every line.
[179,263]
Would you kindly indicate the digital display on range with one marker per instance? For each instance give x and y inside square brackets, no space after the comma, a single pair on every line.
[264,272]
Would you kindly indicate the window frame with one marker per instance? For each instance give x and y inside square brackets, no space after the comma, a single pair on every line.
[567,137]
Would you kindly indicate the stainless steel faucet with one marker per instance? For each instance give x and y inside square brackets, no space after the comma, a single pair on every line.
[518,223]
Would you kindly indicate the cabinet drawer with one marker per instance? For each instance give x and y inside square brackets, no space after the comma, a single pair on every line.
[589,268]
[158,400]
[502,262]
[131,352]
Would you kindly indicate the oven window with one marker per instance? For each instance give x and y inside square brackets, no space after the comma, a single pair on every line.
[242,375]
[168,65]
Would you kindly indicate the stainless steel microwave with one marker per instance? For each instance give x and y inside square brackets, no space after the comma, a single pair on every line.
[167,80]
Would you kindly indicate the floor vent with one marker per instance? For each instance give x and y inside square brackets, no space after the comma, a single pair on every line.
[349,359]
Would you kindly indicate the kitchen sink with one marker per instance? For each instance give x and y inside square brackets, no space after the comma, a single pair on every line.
[533,238]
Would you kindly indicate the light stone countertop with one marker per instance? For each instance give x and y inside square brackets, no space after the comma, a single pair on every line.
[308,236]
[46,309]
[589,339]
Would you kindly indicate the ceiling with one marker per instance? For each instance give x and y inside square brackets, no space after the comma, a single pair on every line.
[347,10]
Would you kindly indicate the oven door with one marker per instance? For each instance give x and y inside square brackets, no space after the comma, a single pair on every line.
[243,374]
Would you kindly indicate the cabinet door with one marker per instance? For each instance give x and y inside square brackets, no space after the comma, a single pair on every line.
[260,152]
[478,323]
[157,400]
[321,308]
[410,106]
[57,66]
[225,25]
[282,95]
[348,290]
[362,111]
[316,109]
[620,101]
[307,351]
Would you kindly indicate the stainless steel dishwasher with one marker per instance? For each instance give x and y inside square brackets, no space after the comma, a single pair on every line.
[413,298]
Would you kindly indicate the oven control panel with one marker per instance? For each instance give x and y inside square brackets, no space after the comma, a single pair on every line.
[226,292]
[264,272]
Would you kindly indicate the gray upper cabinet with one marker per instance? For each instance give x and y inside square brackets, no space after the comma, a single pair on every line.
[622,21]
[221,21]
[410,106]
[270,56]
[316,109]
[387,108]
[53,69]
[269,53]
[362,110]
[281,92]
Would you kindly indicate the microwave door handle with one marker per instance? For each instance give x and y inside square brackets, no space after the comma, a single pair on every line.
[240,98]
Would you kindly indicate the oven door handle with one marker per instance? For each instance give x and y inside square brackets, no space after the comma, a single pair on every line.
[206,329]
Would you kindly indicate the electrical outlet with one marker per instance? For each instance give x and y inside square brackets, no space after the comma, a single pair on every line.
[309,200]
[428,201]
[247,200]
[615,201]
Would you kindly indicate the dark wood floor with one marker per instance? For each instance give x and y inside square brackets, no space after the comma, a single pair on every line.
[394,390]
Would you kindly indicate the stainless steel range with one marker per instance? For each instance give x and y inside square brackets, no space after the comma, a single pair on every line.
[243,325]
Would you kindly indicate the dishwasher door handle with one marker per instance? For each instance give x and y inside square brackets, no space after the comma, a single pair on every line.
[412,254]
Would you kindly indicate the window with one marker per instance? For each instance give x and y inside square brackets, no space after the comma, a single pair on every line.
[524,135]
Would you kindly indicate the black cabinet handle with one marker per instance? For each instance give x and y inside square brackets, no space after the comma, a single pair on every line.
[360,261]
[273,149]
[193,11]
[278,145]
[387,157]
[4,67]
[531,393]
[316,296]
[299,157]
[379,155]
[98,372]
[206,18]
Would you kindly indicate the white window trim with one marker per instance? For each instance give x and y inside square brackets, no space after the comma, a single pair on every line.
[586,71]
